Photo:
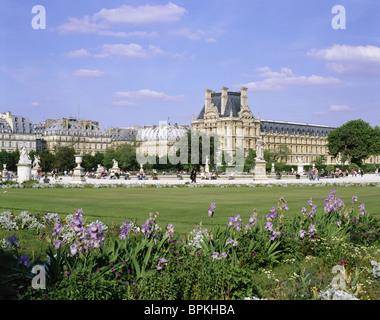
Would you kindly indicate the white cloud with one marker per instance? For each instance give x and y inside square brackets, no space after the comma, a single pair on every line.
[85,73]
[122,34]
[146,14]
[124,103]
[354,60]
[155,50]
[101,21]
[338,108]
[131,50]
[35,104]
[335,108]
[192,35]
[78,53]
[198,35]
[127,50]
[348,53]
[277,81]
[83,25]
[147,94]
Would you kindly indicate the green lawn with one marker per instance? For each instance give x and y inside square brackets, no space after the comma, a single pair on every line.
[184,207]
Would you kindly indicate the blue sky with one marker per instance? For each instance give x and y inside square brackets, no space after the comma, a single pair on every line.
[126,63]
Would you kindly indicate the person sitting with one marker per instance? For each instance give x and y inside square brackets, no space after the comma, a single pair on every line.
[46,179]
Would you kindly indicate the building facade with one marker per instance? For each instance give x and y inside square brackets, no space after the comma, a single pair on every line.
[16,130]
[225,114]
[228,115]
[159,140]
[85,136]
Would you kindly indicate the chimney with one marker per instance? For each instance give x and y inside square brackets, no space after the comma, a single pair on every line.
[224,100]
[243,98]
[208,99]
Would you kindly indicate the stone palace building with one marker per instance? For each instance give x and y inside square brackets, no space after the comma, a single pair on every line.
[228,115]
[225,114]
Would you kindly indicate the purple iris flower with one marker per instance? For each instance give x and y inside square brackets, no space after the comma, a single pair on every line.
[12,241]
[24,259]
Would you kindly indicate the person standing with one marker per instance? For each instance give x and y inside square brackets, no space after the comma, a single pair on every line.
[316,174]
[193,175]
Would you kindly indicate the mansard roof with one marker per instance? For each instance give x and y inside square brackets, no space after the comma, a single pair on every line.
[73,127]
[124,135]
[294,128]
[233,104]
[4,127]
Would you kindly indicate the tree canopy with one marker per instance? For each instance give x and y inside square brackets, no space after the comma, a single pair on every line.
[354,141]
[124,154]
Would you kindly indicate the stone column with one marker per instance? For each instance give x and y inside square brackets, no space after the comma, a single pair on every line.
[244,99]
[207,99]
[224,100]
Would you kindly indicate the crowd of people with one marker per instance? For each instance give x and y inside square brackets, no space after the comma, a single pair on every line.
[312,174]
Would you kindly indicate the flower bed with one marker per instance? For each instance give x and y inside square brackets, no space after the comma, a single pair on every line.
[273,257]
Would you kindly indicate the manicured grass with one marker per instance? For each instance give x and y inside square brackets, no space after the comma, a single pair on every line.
[184,207]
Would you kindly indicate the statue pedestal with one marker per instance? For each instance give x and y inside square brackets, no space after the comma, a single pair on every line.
[260,170]
[23,171]
[78,174]
[115,170]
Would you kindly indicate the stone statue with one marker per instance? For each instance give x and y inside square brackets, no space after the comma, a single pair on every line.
[24,157]
[260,149]
[115,164]
[36,162]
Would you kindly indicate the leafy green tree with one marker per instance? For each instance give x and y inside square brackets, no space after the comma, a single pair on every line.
[250,160]
[4,155]
[65,158]
[353,141]
[376,141]
[127,159]
[282,152]
[205,141]
[88,162]
[109,155]
[32,153]
[98,158]
[10,159]
[13,159]
[320,160]
[47,160]
[124,154]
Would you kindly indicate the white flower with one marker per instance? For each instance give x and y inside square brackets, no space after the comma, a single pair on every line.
[376,269]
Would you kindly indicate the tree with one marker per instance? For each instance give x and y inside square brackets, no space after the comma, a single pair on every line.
[376,141]
[47,160]
[205,141]
[250,160]
[10,159]
[65,158]
[127,158]
[282,152]
[13,158]
[320,160]
[88,162]
[124,154]
[353,141]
